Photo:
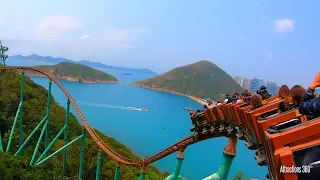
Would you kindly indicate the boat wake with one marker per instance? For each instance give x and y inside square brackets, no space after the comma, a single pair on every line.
[110,106]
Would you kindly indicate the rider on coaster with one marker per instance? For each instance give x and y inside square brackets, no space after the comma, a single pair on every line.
[309,105]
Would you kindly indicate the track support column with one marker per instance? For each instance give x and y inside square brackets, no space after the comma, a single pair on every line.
[83,144]
[224,168]
[13,128]
[117,173]
[1,147]
[229,154]
[48,113]
[176,172]
[143,173]
[21,111]
[99,165]
[66,138]
[29,137]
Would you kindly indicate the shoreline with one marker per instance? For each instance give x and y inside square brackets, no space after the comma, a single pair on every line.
[196,99]
[74,80]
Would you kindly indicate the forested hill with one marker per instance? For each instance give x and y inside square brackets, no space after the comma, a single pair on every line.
[34,109]
[76,72]
[200,79]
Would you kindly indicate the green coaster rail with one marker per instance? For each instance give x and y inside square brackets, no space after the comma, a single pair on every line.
[103,147]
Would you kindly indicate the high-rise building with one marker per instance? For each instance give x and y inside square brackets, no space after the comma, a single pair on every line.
[272,88]
[246,83]
[317,92]
[239,80]
[255,84]
[243,82]
[278,89]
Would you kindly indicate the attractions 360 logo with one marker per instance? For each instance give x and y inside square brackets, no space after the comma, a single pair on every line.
[293,169]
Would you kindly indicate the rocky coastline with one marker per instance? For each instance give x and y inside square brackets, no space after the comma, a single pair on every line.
[71,79]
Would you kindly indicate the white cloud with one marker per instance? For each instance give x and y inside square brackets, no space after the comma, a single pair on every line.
[283,25]
[73,48]
[85,36]
[115,37]
[52,27]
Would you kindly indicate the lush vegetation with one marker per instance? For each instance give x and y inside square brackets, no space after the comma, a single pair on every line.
[34,110]
[201,79]
[17,167]
[239,176]
[78,71]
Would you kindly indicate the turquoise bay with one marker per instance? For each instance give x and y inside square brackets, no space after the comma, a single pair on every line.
[147,133]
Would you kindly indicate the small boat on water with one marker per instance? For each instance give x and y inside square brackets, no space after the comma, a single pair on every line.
[144,109]
[125,74]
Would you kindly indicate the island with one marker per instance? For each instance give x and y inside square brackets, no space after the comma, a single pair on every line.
[17,167]
[75,72]
[125,74]
[96,65]
[197,80]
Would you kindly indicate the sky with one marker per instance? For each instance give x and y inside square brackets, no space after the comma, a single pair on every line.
[275,40]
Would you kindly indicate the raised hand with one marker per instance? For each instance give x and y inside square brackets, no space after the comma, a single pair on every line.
[316,82]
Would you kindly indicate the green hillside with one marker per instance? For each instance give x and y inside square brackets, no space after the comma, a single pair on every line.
[200,79]
[16,168]
[34,111]
[78,71]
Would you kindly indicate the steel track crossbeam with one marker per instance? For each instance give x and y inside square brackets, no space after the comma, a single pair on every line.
[102,145]
[51,144]
[38,144]
[13,127]
[59,150]
[1,147]
[32,133]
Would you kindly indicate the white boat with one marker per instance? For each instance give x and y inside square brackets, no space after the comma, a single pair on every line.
[144,109]
[204,100]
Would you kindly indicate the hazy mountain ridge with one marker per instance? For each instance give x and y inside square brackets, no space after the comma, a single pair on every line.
[49,59]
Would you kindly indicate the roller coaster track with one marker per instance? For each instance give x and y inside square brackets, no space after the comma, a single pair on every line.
[116,156]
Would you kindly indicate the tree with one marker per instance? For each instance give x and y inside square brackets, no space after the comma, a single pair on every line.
[34,109]
[239,176]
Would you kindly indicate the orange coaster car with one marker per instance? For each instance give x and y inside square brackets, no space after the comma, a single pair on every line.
[293,143]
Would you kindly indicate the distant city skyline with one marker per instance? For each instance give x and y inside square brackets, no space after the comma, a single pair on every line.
[246,83]
[269,38]
[272,88]
[255,83]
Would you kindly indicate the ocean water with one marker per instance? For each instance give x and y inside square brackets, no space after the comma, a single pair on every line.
[146,133]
